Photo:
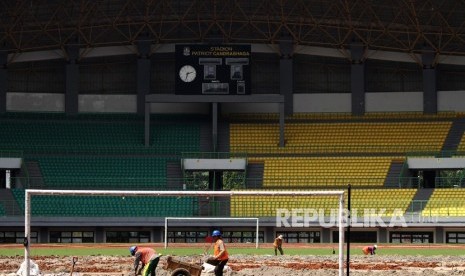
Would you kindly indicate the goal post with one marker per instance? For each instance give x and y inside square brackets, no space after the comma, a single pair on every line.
[256,220]
[31,192]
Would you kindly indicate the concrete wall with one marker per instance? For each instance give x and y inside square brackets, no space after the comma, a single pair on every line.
[394,102]
[334,102]
[337,102]
[107,103]
[331,102]
[451,101]
[39,102]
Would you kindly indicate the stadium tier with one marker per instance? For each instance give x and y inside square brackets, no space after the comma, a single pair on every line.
[461,146]
[446,203]
[391,201]
[394,202]
[97,134]
[325,171]
[325,152]
[99,206]
[340,137]
[255,206]
[342,116]
[98,172]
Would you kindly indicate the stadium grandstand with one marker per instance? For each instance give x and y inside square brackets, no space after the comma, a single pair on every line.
[303,95]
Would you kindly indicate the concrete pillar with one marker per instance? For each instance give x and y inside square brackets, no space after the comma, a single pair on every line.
[286,77]
[440,237]
[3,80]
[382,236]
[214,112]
[357,78]
[269,235]
[72,80]
[325,235]
[158,234]
[99,235]
[430,91]
[8,179]
[43,235]
[143,72]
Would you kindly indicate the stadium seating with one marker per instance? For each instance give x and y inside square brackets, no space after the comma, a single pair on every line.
[461,146]
[446,202]
[325,171]
[339,137]
[93,172]
[322,151]
[96,206]
[387,116]
[257,206]
[100,151]
[389,202]
[394,202]
[96,136]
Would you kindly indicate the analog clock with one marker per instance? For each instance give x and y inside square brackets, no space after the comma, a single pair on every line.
[187,73]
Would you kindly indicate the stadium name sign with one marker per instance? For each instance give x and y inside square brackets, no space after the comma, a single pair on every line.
[306,217]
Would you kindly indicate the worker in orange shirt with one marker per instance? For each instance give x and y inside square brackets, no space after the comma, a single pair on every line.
[278,245]
[220,254]
[148,257]
[370,250]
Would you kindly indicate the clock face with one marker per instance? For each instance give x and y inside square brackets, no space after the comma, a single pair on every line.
[187,73]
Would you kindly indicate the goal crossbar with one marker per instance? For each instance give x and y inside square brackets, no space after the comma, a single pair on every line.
[30,192]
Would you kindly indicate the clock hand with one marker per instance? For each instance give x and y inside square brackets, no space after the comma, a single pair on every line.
[187,74]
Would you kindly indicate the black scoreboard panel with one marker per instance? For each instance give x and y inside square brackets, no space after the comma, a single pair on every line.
[212,69]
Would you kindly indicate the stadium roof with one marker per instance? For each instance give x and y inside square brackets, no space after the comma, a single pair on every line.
[408,26]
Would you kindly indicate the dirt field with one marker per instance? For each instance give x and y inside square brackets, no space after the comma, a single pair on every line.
[245,265]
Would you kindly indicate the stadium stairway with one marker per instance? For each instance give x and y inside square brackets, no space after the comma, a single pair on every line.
[419,200]
[206,143]
[9,203]
[213,206]
[174,176]
[33,173]
[254,175]
[223,137]
[454,136]
[393,173]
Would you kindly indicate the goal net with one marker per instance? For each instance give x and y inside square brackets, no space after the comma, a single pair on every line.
[255,204]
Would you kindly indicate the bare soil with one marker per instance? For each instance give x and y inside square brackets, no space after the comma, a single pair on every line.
[247,265]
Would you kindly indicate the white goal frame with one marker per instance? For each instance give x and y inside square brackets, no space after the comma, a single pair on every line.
[30,192]
[257,225]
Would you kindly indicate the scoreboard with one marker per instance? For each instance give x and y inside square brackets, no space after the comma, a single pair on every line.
[212,69]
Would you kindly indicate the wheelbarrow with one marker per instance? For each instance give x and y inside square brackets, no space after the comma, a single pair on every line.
[181,268]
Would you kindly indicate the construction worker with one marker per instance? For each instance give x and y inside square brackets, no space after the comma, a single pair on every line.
[277,244]
[371,250]
[220,254]
[148,257]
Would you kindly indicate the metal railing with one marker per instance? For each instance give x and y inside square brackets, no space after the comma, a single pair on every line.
[216,207]
[195,183]
[397,149]
[11,153]
[213,155]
